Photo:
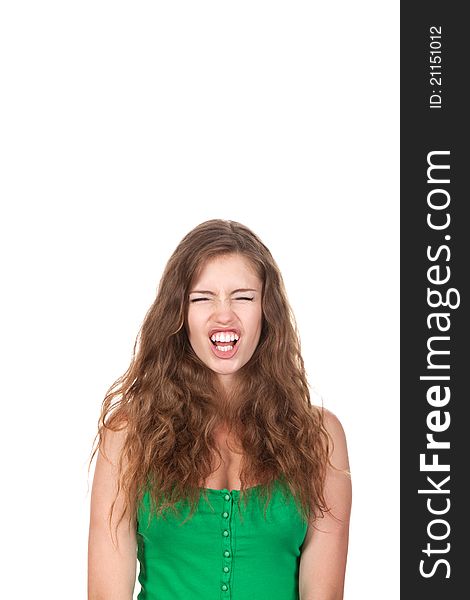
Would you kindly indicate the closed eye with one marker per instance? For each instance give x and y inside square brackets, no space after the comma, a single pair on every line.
[237,298]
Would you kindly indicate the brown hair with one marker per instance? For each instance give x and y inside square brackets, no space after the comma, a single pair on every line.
[169,403]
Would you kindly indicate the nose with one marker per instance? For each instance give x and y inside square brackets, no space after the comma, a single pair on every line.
[223,312]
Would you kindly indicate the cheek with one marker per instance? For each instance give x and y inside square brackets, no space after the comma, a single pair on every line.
[255,324]
[196,326]
[191,325]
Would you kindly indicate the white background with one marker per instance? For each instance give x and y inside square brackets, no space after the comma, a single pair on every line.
[124,125]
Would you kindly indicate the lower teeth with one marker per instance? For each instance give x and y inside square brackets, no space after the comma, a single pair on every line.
[224,348]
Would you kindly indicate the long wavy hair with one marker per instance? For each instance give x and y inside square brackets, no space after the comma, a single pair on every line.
[169,402]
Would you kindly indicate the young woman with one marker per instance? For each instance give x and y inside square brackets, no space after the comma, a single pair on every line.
[214,468]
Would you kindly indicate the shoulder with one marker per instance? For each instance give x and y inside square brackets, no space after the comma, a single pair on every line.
[108,468]
[112,442]
[324,550]
[333,425]
[112,542]
[337,439]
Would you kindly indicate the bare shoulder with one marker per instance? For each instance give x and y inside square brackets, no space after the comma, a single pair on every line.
[107,472]
[107,469]
[324,551]
[338,451]
[112,443]
[111,558]
[338,488]
[333,424]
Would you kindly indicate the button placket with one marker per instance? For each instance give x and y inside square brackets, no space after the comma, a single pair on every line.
[226,529]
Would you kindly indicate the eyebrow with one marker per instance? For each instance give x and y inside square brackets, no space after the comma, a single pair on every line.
[212,293]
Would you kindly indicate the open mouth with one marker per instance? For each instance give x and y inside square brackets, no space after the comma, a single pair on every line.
[224,341]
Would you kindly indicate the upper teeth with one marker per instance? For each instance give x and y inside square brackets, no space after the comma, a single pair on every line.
[220,336]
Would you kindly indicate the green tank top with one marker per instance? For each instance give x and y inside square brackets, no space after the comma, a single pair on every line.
[220,554]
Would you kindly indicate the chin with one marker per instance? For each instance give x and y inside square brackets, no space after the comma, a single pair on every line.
[226,370]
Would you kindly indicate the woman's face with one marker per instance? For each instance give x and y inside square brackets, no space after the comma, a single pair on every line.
[224,315]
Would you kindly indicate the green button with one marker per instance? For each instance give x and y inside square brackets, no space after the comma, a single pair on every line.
[226,569]
[226,553]
[225,533]
[227,496]
[224,587]
[225,514]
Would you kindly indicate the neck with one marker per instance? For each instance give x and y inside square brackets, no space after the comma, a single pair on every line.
[227,400]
